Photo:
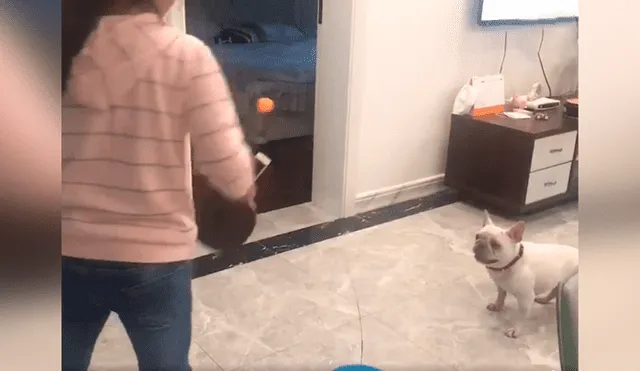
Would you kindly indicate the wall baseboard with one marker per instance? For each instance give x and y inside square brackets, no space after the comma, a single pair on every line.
[371,200]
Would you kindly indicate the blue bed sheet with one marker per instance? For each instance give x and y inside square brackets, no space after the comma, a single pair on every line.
[287,62]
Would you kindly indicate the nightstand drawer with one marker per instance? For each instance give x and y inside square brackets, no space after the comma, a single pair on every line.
[553,150]
[548,183]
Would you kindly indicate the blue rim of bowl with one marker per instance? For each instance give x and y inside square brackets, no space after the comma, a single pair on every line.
[356,368]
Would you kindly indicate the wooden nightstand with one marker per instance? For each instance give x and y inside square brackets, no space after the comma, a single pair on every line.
[513,166]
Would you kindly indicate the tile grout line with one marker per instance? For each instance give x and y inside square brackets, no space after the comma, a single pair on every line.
[208,355]
[359,312]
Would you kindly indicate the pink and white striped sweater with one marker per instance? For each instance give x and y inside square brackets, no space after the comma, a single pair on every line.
[138,93]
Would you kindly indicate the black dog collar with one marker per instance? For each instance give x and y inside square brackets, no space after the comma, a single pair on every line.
[511,263]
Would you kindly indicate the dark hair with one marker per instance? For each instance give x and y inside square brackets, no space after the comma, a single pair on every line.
[79,19]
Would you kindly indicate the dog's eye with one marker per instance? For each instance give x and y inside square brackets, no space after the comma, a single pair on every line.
[477,237]
[495,245]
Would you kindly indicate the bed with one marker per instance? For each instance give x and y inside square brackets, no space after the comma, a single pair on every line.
[281,66]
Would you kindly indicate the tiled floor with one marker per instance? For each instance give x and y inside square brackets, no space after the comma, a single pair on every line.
[401,295]
[293,218]
[280,221]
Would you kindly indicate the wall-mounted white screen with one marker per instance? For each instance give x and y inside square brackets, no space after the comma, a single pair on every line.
[527,11]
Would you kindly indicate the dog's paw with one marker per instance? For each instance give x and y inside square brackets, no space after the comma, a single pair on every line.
[493,307]
[512,333]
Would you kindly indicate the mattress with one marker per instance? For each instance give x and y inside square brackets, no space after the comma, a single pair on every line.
[289,62]
[259,130]
[284,71]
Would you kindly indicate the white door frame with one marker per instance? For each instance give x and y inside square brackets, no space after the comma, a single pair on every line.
[336,126]
[177,16]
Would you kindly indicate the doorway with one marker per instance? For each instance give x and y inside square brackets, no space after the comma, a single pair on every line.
[308,139]
[267,50]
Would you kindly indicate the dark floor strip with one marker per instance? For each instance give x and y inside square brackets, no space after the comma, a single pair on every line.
[210,263]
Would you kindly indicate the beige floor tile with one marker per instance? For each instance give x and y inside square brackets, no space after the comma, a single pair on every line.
[324,351]
[261,308]
[387,349]
[297,217]
[422,299]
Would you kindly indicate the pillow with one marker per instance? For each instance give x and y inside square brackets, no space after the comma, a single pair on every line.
[277,32]
[237,35]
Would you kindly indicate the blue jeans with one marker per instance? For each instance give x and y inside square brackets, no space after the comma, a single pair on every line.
[153,302]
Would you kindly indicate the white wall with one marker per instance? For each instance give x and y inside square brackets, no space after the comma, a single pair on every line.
[410,59]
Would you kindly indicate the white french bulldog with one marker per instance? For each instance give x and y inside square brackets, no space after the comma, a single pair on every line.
[529,271]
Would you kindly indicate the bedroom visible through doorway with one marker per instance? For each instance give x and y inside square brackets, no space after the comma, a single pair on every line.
[267,49]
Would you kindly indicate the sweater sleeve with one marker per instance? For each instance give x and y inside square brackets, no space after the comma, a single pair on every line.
[220,151]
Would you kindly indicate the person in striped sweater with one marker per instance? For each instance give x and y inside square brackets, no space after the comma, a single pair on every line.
[137,94]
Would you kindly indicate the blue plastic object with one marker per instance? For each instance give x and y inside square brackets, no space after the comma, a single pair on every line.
[357,368]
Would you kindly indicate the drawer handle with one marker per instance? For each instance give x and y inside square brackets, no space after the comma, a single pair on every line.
[556,150]
[550,184]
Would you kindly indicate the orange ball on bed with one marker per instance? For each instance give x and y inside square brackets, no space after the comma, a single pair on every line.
[265,105]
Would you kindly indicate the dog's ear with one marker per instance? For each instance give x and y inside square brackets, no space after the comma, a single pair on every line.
[487,219]
[516,232]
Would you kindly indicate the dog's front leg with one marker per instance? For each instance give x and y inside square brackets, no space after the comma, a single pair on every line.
[525,302]
[498,305]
